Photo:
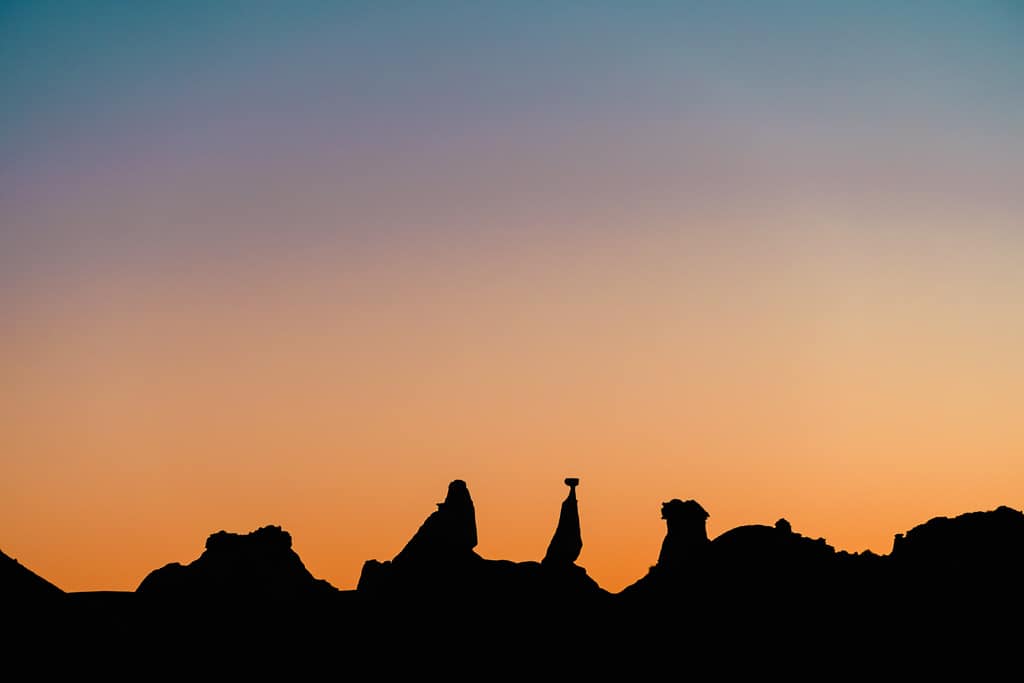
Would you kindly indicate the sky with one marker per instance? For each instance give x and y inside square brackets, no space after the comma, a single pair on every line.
[304,263]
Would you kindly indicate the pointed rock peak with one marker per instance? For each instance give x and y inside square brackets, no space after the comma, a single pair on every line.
[567,543]
[449,531]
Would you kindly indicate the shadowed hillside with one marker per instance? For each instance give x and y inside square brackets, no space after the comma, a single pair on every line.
[19,584]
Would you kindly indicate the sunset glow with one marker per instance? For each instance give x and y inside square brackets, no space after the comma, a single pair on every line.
[306,263]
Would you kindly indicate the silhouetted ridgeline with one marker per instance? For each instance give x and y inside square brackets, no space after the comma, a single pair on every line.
[765,596]
[19,584]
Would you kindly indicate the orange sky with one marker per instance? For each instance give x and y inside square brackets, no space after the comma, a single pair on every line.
[306,264]
[152,413]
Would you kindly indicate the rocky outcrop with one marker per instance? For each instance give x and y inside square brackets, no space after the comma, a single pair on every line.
[260,566]
[683,559]
[754,569]
[438,559]
[448,534]
[686,535]
[963,568]
[989,537]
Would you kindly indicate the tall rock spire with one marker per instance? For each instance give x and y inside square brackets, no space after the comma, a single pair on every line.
[567,542]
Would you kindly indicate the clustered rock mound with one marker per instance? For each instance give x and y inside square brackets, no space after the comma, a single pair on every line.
[235,567]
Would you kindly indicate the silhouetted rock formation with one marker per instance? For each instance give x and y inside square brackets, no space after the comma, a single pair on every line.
[741,581]
[439,555]
[448,534]
[567,543]
[258,567]
[21,587]
[686,537]
[756,597]
[990,539]
[682,562]
[760,571]
[439,573]
[964,569]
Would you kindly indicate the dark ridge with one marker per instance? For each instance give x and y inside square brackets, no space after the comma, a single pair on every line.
[757,599]
[20,585]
